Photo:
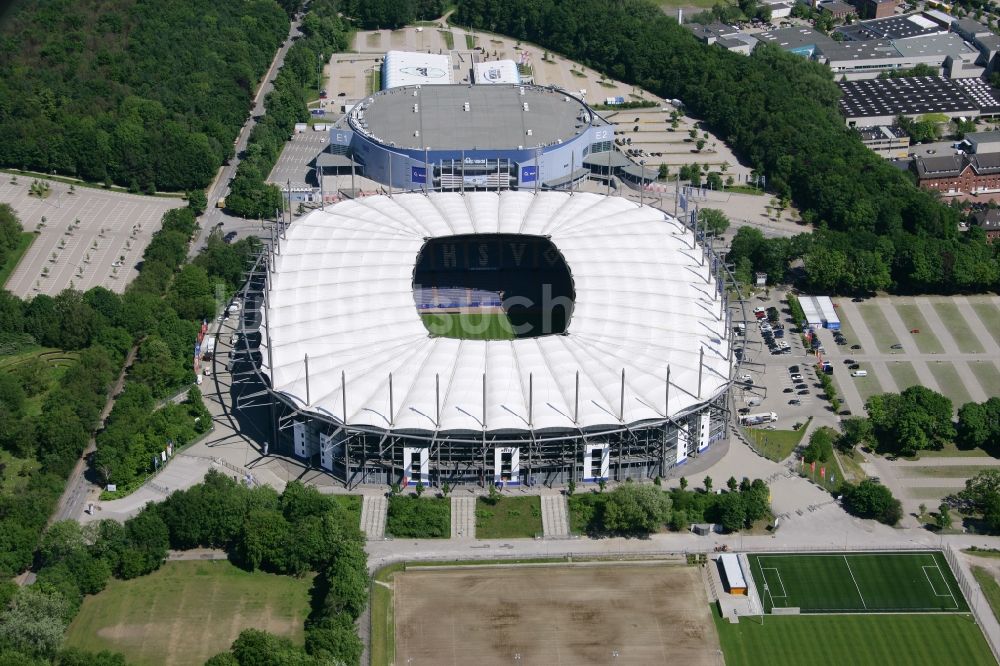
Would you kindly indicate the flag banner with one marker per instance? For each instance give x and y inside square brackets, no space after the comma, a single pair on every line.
[812,467]
[683,202]
[833,478]
[822,472]
[418,174]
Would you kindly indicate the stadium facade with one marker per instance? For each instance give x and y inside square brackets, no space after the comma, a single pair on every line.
[635,383]
[459,137]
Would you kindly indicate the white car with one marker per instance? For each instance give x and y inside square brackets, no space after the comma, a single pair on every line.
[756,310]
[796,378]
[745,377]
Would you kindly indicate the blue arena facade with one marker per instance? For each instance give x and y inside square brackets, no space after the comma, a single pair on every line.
[469,137]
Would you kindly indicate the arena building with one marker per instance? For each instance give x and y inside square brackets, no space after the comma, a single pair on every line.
[468,137]
[617,364]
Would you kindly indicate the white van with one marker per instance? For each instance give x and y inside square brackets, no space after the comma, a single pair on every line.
[859,373]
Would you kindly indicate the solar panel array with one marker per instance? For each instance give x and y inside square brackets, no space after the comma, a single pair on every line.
[911,96]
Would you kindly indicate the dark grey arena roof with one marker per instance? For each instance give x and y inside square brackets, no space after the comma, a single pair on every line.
[498,117]
[914,95]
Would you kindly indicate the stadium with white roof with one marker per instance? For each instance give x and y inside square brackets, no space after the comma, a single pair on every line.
[628,381]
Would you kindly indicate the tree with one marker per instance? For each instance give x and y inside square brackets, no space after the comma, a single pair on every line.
[943,520]
[732,483]
[732,511]
[820,446]
[197,201]
[632,508]
[334,638]
[713,220]
[708,484]
[683,483]
[870,499]
[34,621]
[916,419]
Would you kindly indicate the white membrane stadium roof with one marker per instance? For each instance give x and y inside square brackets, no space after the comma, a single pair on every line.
[341,293]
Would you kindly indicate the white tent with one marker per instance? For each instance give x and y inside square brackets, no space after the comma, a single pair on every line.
[405,68]
[496,71]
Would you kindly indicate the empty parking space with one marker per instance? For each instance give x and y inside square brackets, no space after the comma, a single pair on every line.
[950,383]
[918,327]
[959,328]
[988,374]
[878,326]
[989,314]
[86,238]
[903,374]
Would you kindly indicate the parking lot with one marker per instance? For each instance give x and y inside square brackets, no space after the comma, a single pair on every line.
[86,238]
[778,373]
[294,163]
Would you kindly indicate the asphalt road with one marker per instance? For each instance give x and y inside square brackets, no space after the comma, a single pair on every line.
[220,188]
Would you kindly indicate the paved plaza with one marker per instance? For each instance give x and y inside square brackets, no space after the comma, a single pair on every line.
[103,249]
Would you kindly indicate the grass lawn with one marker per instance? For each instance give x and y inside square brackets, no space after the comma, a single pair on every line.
[850,466]
[950,450]
[877,325]
[470,41]
[942,471]
[373,39]
[670,6]
[831,479]
[351,504]
[510,518]
[189,611]
[887,640]
[475,326]
[988,584]
[419,517]
[931,493]
[777,445]
[848,330]
[11,469]
[960,330]
[383,627]
[950,383]
[990,316]
[903,374]
[981,552]
[858,582]
[7,267]
[926,341]
[449,38]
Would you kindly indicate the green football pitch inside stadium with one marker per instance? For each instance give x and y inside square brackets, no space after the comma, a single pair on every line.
[910,582]
[469,326]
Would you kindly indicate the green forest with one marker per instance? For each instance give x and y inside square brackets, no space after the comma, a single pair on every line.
[149,95]
[875,228]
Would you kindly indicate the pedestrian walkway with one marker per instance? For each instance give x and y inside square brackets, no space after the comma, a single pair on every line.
[463,517]
[555,517]
[373,510]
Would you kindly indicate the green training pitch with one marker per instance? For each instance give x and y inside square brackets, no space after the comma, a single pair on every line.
[469,326]
[858,582]
[837,640]
[186,612]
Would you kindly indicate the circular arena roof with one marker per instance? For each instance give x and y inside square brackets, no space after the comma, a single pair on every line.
[342,294]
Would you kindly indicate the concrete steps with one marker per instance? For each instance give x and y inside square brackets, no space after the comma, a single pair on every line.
[373,510]
[463,517]
[555,517]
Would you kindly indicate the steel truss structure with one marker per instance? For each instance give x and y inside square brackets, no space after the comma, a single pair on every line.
[361,454]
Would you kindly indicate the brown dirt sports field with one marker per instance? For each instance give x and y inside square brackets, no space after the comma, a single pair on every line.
[551,615]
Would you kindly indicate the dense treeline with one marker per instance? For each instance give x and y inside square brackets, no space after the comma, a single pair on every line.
[374,14]
[324,33]
[297,531]
[10,232]
[149,95]
[779,113]
[632,508]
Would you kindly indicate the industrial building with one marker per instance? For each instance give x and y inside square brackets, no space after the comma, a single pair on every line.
[869,102]
[887,141]
[959,174]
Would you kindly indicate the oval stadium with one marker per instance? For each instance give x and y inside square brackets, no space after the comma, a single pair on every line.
[491,337]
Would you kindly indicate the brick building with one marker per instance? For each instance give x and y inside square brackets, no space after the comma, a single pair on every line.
[954,175]
[989,221]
